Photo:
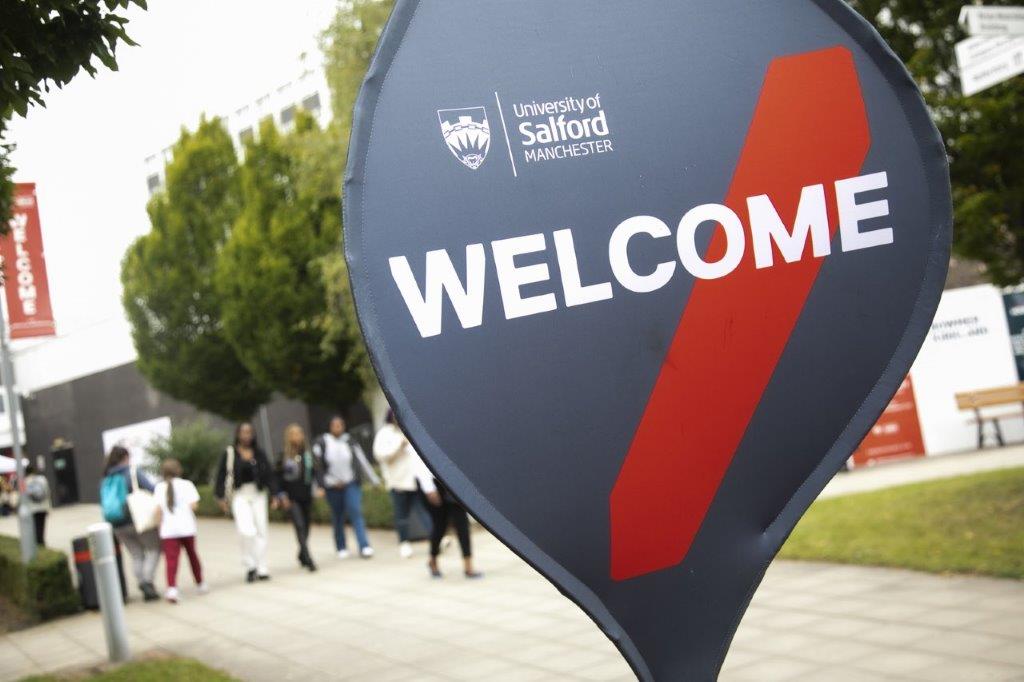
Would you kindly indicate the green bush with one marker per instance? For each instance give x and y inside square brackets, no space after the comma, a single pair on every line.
[43,588]
[197,445]
[377,508]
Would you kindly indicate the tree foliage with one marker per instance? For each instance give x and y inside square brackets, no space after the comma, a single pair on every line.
[44,43]
[984,134]
[269,275]
[196,445]
[169,296]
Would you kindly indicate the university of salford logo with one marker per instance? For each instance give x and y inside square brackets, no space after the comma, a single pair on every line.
[467,134]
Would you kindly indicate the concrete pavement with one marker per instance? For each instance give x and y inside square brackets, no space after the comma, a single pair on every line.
[385,619]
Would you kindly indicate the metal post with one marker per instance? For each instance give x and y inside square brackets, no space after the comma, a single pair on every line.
[108,587]
[26,529]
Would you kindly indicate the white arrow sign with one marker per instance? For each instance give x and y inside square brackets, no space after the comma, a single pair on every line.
[985,62]
[992,21]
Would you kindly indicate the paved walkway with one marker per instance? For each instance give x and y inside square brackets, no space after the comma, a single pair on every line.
[384,619]
[923,469]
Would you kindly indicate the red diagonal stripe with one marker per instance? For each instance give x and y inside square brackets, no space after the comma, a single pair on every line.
[810,127]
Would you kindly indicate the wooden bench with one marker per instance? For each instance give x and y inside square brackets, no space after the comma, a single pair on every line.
[992,397]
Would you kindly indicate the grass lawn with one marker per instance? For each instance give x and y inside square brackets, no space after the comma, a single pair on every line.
[154,670]
[968,524]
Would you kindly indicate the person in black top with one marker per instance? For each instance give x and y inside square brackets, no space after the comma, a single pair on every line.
[244,481]
[297,471]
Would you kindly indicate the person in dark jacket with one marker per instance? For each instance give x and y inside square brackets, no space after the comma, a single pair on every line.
[144,548]
[297,472]
[345,468]
[244,481]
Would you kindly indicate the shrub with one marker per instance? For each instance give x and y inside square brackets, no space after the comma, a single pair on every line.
[197,445]
[377,508]
[43,588]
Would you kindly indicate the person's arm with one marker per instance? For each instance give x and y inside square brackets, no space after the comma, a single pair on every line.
[144,480]
[357,451]
[387,444]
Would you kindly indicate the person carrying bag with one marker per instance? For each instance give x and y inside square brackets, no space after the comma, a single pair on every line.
[120,482]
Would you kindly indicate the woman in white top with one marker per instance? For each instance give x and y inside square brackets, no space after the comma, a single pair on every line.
[402,469]
[177,498]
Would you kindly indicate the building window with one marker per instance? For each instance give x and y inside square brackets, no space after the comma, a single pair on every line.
[153,182]
[287,116]
[245,136]
[312,103]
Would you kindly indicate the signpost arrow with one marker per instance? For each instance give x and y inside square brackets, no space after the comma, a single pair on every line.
[992,21]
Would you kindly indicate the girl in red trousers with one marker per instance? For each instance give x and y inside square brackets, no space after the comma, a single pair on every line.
[177,498]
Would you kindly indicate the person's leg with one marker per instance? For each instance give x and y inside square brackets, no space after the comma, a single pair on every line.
[189,544]
[150,554]
[39,521]
[402,503]
[258,505]
[354,511]
[299,524]
[172,549]
[460,520]
[336,501]
[129,539]
[243,512]
[438,527]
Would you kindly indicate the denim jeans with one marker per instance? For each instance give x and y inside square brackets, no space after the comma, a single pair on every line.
[406,502]
[347,503]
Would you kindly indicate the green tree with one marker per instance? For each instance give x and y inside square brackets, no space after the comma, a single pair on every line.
[269,275]
[984,134]
[348,45]
[169,295]
[44,43]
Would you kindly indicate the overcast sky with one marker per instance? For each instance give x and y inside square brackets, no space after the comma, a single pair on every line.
[85,150]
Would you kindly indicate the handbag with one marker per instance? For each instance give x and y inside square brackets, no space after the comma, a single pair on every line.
[141,505]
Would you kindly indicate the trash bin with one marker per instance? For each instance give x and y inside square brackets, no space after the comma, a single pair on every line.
[86,575]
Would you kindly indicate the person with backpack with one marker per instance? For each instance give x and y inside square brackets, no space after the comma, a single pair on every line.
[119,479]
[345,467]
[37,499]
[177,499]
[297,472]
[244,481]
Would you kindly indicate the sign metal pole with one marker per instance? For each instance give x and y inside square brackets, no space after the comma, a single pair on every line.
[26,530]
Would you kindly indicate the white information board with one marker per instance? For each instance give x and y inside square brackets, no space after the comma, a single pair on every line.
[992,21]
[985,62]
[968,348]
[137,438]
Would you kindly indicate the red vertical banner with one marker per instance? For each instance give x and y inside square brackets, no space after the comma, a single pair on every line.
[24,268]
[896,434]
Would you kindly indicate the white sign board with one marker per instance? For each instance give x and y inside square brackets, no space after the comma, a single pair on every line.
[968,348]
[137,438]
[985,62]
[992,21]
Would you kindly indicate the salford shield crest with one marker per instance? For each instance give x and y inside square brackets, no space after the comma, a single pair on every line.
[639,345]
[467,134]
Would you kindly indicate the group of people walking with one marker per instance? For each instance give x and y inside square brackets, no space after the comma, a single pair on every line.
[247,485]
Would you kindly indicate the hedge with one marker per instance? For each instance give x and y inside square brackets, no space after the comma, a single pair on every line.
[377,509]
[43,588]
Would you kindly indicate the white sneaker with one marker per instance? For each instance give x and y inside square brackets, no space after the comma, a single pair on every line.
[366,552]
[172,595]
[342,553]
[405,550]
[203,588]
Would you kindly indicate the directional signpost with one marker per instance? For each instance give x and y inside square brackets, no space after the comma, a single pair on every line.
[995,51]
